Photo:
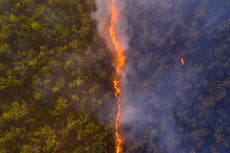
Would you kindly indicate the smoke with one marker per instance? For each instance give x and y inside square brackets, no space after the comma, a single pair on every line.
[163,100]
[103,16]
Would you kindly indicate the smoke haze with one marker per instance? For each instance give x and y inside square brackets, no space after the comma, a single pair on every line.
[169,107]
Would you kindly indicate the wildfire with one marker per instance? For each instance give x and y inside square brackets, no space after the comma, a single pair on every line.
[120,63]
[182,61]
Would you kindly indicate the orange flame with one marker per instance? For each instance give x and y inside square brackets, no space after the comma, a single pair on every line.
[120,63]
[182,61]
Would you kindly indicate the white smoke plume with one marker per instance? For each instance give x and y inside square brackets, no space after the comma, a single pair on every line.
[103,16]
[156,34]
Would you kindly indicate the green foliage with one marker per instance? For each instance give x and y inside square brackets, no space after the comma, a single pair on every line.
[49,67]
[15,112]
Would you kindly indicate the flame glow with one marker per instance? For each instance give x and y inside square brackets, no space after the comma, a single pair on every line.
[182,61]
[120,63]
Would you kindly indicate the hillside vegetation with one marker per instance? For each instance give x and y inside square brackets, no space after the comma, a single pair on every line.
[54,78]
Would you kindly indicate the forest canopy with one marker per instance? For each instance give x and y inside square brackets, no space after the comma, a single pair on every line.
[57,72]
[55,75]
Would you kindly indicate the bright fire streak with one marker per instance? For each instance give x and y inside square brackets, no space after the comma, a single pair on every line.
[182,61]
[120,63]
